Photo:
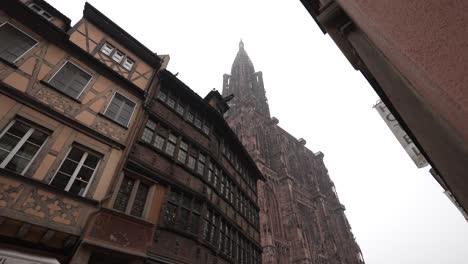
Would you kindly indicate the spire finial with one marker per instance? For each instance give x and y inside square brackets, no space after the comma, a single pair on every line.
[241,44]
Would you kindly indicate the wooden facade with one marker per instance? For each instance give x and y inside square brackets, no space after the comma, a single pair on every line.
[68,118]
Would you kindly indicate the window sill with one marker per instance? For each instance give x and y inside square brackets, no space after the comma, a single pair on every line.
[11,64]
[48,85]
[113,121]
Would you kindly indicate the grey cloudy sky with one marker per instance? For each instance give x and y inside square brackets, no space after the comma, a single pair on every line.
[398,213]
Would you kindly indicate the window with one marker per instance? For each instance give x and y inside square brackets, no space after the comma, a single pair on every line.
[76,171]
[118,56]
[41,11]
[19,145]
[182,211]
[197,122]
[170,145]
[14,43]
[128,63]
[162,95]
[148,132]
[107,49]
[171,101]
[189,117]
[206,128]
[201,164]
[120,109]
[192,158]
[182,155]
[70,79]
[180,109]
[131,197]
[210,172]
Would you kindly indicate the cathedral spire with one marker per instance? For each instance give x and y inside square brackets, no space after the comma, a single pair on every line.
[245,84]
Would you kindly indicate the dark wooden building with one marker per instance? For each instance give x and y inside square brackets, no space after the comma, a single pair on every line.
[210,211]
[301,220]
[413,53]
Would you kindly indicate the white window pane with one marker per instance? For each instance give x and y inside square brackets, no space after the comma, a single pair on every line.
[128,63]
[118,56]
[107,49]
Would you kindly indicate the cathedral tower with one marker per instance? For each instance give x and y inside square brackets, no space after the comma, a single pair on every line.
[301,218]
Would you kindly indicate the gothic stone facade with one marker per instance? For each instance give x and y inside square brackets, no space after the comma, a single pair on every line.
[301,218]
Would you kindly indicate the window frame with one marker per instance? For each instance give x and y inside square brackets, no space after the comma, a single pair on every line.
[115,52]
[78,168]
[125,60]
[76,65]
[22,31]
[21,142]
[131,116]
[131,200]
[107,44]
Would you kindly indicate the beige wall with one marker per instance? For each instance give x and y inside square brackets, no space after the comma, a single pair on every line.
[90,38]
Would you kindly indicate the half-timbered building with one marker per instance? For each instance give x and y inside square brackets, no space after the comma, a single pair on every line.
[71,102]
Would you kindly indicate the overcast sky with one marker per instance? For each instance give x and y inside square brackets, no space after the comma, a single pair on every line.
[398,213]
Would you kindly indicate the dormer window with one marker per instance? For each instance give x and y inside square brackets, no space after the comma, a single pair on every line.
[107,49]
[118,56]
[41,11]
[128,63]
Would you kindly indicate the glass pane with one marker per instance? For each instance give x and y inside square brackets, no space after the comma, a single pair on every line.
[158,142]
[162,95]
[37,138]
[184,218]
[3,155]
[171,102]
[8,142]
[18,129]
[75,154]
[140,200]
[182,156]
[123,195]
[91,161]
[113,109]
[174,197]
[191,162]
[197,206]
[70,79]
[170,214]
[60,181]
[28,150]
[195,222]
[180,109]
[17,164]
[147,135]
[68,167]
[170,147]
[14,43]
[78,187]
[85,174]
[186,201]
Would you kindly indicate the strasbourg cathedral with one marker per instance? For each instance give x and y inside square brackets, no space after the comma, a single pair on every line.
[301,218]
